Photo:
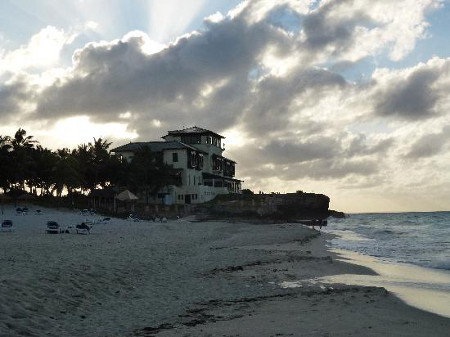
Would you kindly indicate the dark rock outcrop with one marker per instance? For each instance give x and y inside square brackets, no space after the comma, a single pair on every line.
[337,214]
[282,207]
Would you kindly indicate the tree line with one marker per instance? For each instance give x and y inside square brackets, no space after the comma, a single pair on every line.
[26,166]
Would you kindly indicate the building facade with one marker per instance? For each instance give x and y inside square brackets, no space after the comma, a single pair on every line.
[197,156]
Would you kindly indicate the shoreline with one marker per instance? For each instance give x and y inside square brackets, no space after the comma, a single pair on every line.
[190,279]
[423,288]
[327,308]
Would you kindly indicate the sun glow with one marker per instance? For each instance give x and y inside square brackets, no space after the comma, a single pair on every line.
[235,138]
[163,28]
[73,131]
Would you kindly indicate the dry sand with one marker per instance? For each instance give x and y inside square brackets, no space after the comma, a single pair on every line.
[184,278]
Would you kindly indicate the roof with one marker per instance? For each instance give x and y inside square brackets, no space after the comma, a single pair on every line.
[193,130]
[126,196]
[154,146]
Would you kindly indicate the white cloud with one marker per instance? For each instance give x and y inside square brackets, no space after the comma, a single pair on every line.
[215,18]
[164,26]
[41,52]
[351,30]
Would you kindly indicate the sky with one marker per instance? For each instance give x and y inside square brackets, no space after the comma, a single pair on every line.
[349,98]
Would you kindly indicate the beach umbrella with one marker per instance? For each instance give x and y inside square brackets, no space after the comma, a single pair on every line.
[126,196]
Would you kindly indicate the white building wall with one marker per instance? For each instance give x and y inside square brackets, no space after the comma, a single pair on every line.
[191,179]
[182,158]
[199,194]
[209,149]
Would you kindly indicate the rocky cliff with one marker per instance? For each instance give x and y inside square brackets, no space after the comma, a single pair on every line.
[290,206]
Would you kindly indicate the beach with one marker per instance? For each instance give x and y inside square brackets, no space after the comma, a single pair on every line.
[185,278]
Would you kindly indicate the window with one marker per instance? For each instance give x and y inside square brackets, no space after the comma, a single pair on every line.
[191,139]
[200,161]
[175,157]
[217,163]
[193,160]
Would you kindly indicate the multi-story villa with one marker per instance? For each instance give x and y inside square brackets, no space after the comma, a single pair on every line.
[196,153]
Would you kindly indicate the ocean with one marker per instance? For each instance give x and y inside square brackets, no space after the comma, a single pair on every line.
[410,252]
[421,239]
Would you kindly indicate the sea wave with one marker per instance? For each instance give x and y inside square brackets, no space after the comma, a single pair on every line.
[415,238]
[440,264]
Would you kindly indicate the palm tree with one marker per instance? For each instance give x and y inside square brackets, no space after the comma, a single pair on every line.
[21,140]
[148,173]
[100,157]
[22,145]
[5,167]
[65,174]
[83,156]
[44,162]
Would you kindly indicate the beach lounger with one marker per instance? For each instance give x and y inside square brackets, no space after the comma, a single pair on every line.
[104,220]
[85,212]
[38,212]
[7,226]
[19,211]
[83,228]
[53,227]
[131,217]
[24,211]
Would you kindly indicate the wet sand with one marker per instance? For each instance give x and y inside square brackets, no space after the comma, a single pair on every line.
[184,278]
[424,288]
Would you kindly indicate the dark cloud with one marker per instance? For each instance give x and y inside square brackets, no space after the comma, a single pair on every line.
[291,150]
[319,158]
[281,152]
[12,95]
[411,98]
[318,170]
[360,146]
[270,109]
[329,169]
[429,145]
[320,33]
[109,79]
[113,78]
[323,30]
